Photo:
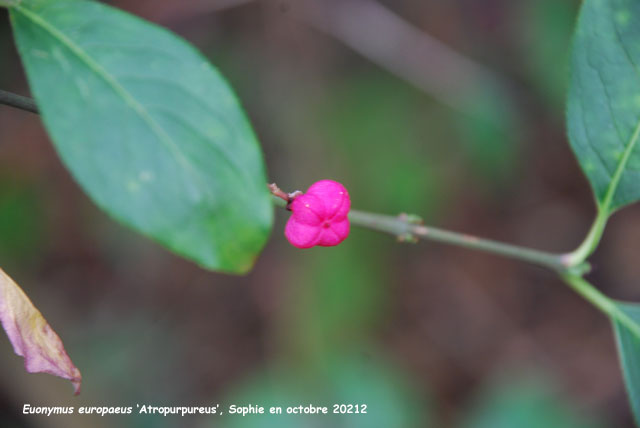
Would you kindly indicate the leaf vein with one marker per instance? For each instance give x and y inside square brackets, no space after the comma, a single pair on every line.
[631,143]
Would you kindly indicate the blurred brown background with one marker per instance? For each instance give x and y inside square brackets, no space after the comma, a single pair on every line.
[451,110]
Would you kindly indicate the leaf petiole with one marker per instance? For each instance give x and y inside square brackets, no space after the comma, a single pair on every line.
[605,304]
[590,243]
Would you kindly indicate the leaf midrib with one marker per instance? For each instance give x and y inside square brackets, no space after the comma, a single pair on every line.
[617,176]
[113,84]
[615,180]
[626,320]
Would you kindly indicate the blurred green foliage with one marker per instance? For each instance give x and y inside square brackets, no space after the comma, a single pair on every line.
[340,295]
[547,26]
[490,136]
[346,379]
[23,222]
[376,127]
[532,401]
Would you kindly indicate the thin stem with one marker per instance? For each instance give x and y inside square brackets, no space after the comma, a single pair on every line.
[590,293]
[409,228]
[603,303]
[402,226]
[18,101]
[588,246]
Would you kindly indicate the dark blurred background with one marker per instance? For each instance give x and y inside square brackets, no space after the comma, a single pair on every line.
[450,110]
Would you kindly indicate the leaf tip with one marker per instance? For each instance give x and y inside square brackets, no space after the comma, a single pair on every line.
[32,337]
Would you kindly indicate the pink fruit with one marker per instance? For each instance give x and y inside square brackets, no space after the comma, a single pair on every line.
[319,216]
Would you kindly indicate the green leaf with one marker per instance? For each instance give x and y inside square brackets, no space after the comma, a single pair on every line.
[627,330]
[603,112]
[150,130]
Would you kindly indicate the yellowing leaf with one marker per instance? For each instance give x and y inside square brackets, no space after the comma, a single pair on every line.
[31,335]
